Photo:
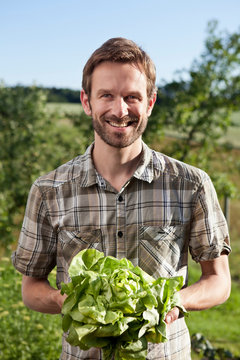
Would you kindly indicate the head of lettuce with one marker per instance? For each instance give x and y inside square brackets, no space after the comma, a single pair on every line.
[115,306]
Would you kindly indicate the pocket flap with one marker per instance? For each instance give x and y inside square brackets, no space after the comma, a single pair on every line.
[158,233]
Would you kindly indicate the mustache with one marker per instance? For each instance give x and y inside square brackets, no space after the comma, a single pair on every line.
[126,118]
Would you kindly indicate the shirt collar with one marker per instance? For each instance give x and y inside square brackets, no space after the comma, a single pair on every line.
[150,165]
[148,169]
[87,170]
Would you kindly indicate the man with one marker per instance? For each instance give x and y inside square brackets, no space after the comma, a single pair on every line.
[127,200]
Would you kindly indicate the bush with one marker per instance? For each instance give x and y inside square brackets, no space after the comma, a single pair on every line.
[32,142]
[22,118]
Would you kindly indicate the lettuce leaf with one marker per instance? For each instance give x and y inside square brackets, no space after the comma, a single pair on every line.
[115,306]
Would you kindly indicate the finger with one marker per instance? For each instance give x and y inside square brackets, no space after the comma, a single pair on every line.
[172,315]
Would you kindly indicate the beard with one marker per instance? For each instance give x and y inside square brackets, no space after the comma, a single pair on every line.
[120,139]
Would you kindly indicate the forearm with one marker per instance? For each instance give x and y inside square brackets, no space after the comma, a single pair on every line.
[209,291]
[213,288]
[40,296]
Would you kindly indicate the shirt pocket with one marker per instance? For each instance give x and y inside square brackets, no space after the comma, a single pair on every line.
[161,249]
[70,243]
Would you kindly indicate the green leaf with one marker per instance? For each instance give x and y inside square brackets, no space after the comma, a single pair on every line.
[85,260]
[132,350]
[66,322]
[69,303]
[151,317]
[83,329]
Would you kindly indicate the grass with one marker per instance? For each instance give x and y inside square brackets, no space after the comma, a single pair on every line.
[221,324]
[63,108]
[25,334]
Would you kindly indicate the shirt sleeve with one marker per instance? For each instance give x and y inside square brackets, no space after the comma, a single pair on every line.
[36,252]
[209,235]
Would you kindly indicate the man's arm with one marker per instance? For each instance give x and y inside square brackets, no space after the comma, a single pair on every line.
[38,295]
[213,288]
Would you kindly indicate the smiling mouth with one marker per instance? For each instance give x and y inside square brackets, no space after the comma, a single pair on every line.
[121,125]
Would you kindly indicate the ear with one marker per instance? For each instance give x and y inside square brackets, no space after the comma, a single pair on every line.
[151,103]
[85,103]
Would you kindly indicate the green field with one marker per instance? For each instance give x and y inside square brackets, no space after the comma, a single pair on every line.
[63,108]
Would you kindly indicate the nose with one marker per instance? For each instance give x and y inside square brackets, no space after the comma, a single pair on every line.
[119,107]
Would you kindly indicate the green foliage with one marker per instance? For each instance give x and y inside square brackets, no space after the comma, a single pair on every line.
[22,119]
[197,108]
[52,94]
[62,95]
[224,185]
[32,142]
[202,346]
[25,334]
[115,306]
[83,123]
[220,325]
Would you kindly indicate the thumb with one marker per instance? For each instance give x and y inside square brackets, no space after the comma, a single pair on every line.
[172,315]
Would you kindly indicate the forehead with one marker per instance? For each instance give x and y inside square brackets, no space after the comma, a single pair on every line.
[120,75]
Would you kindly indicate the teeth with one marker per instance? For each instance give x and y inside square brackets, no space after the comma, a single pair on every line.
[118,125]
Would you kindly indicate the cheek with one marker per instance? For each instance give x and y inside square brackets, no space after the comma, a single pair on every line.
[140,111]
[100,109]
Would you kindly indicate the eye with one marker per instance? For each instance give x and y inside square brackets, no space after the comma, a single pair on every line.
[106,96]
[132,98]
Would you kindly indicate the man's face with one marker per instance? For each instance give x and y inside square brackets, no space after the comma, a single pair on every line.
[119,105]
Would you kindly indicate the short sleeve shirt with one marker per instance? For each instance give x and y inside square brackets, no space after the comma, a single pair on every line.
[166,209]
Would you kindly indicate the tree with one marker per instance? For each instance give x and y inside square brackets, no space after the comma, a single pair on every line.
[197,108]
[32,142]
[22,118]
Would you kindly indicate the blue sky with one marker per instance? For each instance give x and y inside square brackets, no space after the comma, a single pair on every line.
[47,42]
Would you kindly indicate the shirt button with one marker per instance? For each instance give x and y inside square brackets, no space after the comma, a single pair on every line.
[120,234]
[120,198]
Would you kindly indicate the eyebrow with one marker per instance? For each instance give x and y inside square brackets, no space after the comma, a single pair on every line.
[109,91]
[103,91]
[135,93]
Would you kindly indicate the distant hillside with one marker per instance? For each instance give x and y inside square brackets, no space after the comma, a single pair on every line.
[63,95]
[56,95]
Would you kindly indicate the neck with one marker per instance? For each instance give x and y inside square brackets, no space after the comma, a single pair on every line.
[116,165]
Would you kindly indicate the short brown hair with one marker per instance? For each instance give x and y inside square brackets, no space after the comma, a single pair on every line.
[123,51]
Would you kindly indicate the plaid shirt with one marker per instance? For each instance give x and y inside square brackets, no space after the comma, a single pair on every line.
[166,208]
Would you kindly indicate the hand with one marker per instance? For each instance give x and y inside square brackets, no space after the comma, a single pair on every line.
[172,315]
[38,295]
[59,299]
